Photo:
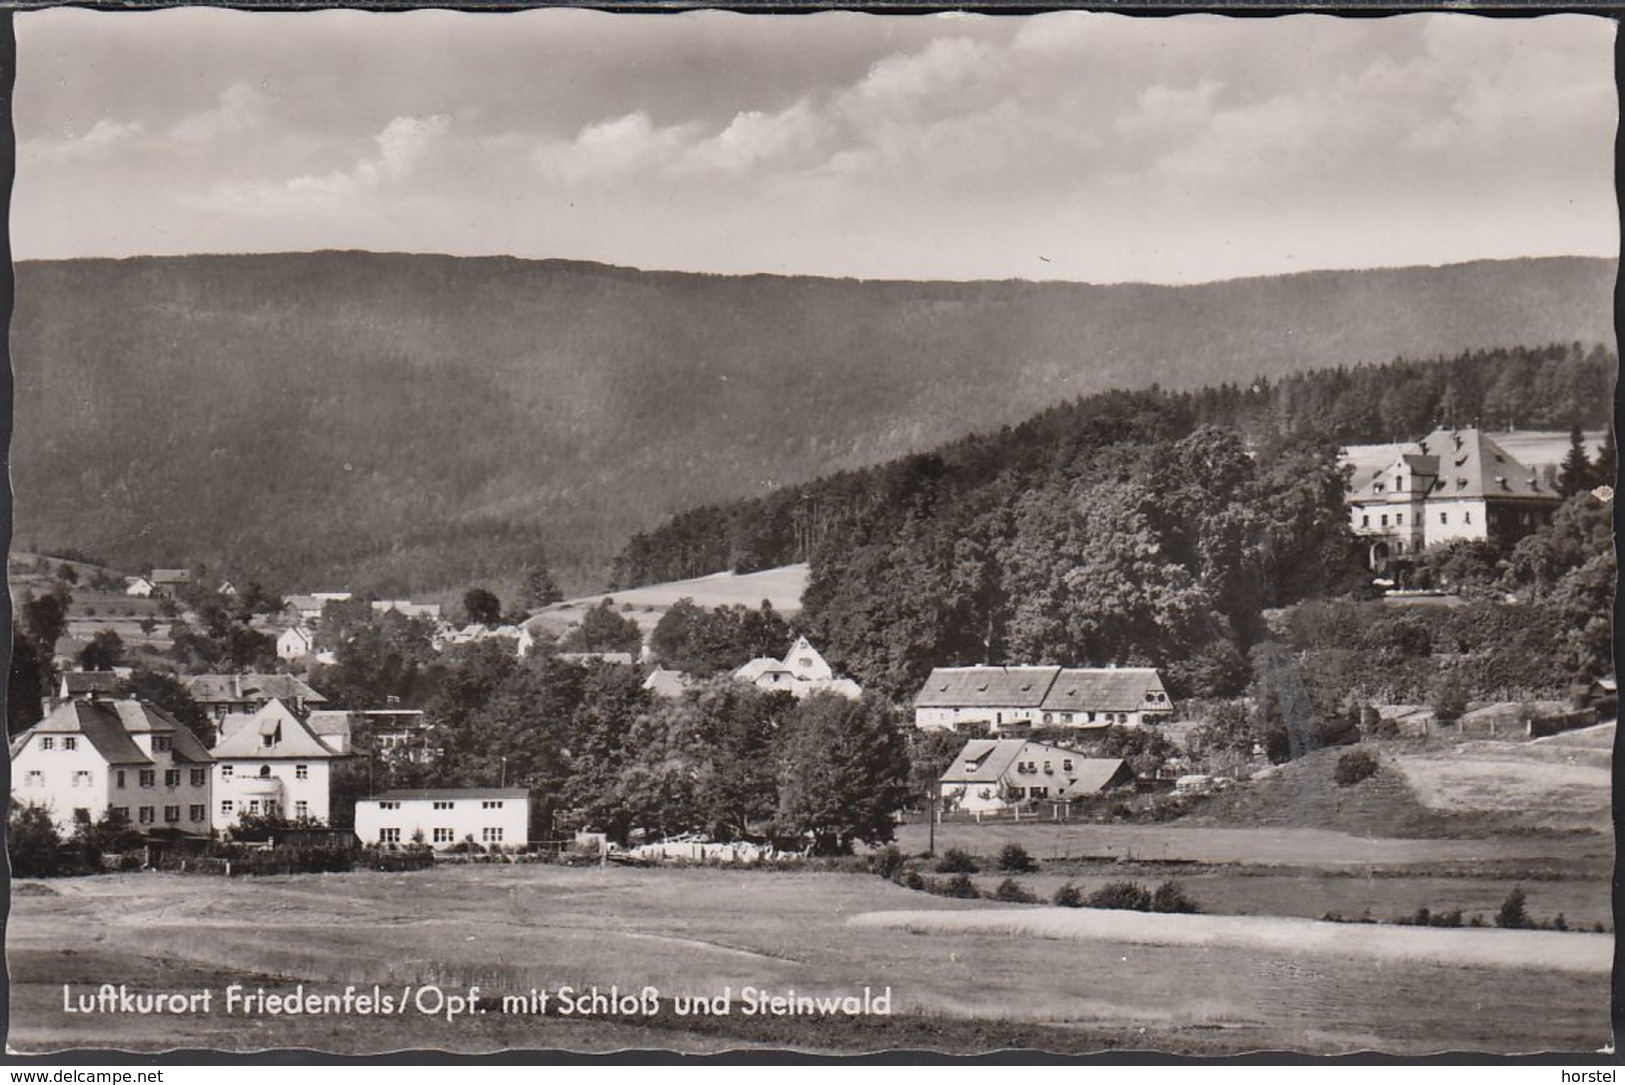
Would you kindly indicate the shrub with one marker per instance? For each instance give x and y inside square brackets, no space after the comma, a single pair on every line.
[1560,922]
[1013,859]
[957,861]
[888,861]
[1354,766]
[959,886]
[32,843]
[1130,896]
[1513,915]
[1069,896]
[913,880]
[1170,898]
[1011,891]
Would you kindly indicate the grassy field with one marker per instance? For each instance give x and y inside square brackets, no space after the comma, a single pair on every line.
[647,605]
[957,984]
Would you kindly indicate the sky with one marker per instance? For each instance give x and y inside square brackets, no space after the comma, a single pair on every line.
[1073,146]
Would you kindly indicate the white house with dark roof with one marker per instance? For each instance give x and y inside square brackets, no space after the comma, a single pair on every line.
[802,672]
[992,774]
[1454,484]
[999,698]
[272,764]
[100,755]
[445,817]
[295,643]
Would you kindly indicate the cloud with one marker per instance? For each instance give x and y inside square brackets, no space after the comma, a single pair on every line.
[753,138]
[613,149]
[104,139]
[240,110]
[400,148]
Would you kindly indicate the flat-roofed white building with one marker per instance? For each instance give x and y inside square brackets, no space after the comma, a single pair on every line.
[445,817]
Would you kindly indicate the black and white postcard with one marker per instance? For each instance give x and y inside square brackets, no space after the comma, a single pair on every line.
[837,533]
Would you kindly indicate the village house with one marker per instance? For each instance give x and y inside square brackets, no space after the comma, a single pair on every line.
[295,643]
[223,695]
[667,683]
[802,672]
[1454,484]
[169,581]
[1000,698]
[407,608]
[138,586]
[445,817]
[992,774]
[272,764]
[91,756]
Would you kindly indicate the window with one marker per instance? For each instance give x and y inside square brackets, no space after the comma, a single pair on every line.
[197,811]
[1048,767]
[226,807]
[301,772]
[301,809]
[1048,718]
[388,804]
[441,804]
[265,772]
[36,778]
[1399,518]
[1037,792]
[118,778]
[1466,517]
[389,836]
[81,815]
[172,777]
[225,771]
[1365,520]
[491,804]
[120,813]
[144,814]
[172,814]
[1385,519]
[149,777]
[444,836]
[82,779]
[1066,766]
[253,806]
[1067,716]
[160,743]
[491,835]
[1399,483]
[1444,517]
[47,743]
[200,777]
[70,743]
[267,741]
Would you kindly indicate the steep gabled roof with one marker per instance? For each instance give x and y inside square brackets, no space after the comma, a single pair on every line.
[238,688]
[1102,689]
[77,682]
[109,726]
[983,761]
[1096,773]
[986,687]
[1460,463]
[750,672]
[292,737]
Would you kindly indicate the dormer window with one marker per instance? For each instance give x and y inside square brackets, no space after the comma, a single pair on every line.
[1377,487]
[160,743]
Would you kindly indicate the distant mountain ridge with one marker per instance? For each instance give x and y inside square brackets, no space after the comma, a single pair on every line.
[405,422]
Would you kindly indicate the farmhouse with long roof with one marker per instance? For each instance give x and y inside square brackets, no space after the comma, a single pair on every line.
[999,698]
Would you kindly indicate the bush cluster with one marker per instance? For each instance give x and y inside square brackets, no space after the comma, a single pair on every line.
[1353,766]
[1129,896]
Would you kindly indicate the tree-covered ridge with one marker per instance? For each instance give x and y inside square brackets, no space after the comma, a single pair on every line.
[401,423]
[1552,387]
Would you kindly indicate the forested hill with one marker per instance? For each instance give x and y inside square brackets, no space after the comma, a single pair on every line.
[400,422]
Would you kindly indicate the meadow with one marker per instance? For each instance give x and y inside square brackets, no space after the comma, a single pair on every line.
[963,975]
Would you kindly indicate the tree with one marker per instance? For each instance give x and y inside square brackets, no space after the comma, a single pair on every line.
[1514,914]
[32,843]
[603,630]
[1575,474]
[539,589]
[482,607]
[67,573]
[843,773]
[45,618]
[104,652]
[25,689]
